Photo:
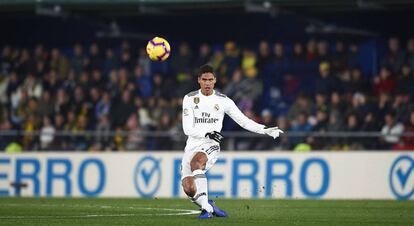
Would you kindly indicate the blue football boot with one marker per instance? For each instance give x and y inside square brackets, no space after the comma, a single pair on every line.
[217,211]
[205,215]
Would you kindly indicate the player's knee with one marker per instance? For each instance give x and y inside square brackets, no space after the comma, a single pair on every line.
[190,191]
[199,161]
[189,187]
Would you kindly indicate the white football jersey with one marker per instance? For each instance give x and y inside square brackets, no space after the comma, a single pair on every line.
[203,114]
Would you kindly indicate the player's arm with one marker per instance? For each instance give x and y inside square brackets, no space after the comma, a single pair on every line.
[188,120]
[234,112]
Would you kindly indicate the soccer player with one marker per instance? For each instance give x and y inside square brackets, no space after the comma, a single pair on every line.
[203,112]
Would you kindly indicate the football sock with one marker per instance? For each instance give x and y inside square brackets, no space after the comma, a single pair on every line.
[201,196]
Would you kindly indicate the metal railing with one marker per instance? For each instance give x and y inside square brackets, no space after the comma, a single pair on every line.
[240,140]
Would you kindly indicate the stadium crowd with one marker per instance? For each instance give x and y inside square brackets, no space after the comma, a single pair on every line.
[93,98]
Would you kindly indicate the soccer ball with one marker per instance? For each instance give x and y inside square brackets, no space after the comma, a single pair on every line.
[158,49]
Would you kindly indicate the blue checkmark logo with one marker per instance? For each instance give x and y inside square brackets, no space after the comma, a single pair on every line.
[147,176]
[401,177]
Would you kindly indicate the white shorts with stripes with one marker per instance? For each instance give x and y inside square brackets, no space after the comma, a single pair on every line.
[212,152]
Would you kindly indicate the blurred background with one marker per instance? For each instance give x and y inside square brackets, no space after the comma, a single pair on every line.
[334,75]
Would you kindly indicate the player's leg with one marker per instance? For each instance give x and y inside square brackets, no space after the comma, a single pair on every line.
[188,182]
[198,164]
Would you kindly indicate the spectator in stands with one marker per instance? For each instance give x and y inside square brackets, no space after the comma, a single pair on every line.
[339,59]
[301,105]
[370,124]
[60,141]
[311,53]
[79,99]
[230,63]
[264,58]
[125,60]
[182,62]
[81,140]
[410,53]
[4,82]
[384,82]
[323,54]
[62,102]
[320,103]
[320,125]
[262,143]
[47,133]
[336,104]
[51,82]
[7,59]
[113,84]
[353,55]
[135,140]
[383,105]
[402,106]
[102,138]
[25,64]
[12,88]
[301,125]
[6,125]
[283,124]
[395,56]
[335,125]
[143,83]
[122,109]
[164,142]
[391,131]
[46,105]
[243,90]
[69,84]
[357,82]
[59,63]
[79,59]
[144,61]
[408,141]
[204,55]
[405,80]
[280,58]
[31,86]
[298,55]
[326,82]
[352,125]
[95,59]
[111,62]
[358,106]
[97,80]
[30,124]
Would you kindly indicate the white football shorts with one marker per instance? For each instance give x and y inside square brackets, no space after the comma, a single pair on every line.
[212,151]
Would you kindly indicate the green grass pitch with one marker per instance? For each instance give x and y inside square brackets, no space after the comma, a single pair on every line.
[159,212]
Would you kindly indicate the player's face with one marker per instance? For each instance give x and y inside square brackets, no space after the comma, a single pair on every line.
[207,81]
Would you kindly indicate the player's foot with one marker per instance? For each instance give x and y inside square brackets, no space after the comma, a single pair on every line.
[217,211]
[205,215]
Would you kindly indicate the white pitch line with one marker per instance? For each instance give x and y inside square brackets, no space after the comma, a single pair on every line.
[180,211]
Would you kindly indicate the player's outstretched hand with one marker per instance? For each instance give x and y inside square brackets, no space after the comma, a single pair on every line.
[272,131]
[217,136]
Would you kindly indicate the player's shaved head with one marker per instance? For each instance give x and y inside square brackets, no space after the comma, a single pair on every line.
[206,69]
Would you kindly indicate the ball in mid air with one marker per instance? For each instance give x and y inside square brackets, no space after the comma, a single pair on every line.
[158,49]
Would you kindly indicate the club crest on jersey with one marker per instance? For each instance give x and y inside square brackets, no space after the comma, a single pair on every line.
[185,112]
[216,107]
[196,100]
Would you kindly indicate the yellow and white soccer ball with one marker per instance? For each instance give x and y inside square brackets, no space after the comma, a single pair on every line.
[158,49]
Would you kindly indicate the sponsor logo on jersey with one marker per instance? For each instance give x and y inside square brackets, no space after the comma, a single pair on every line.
[205,118]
